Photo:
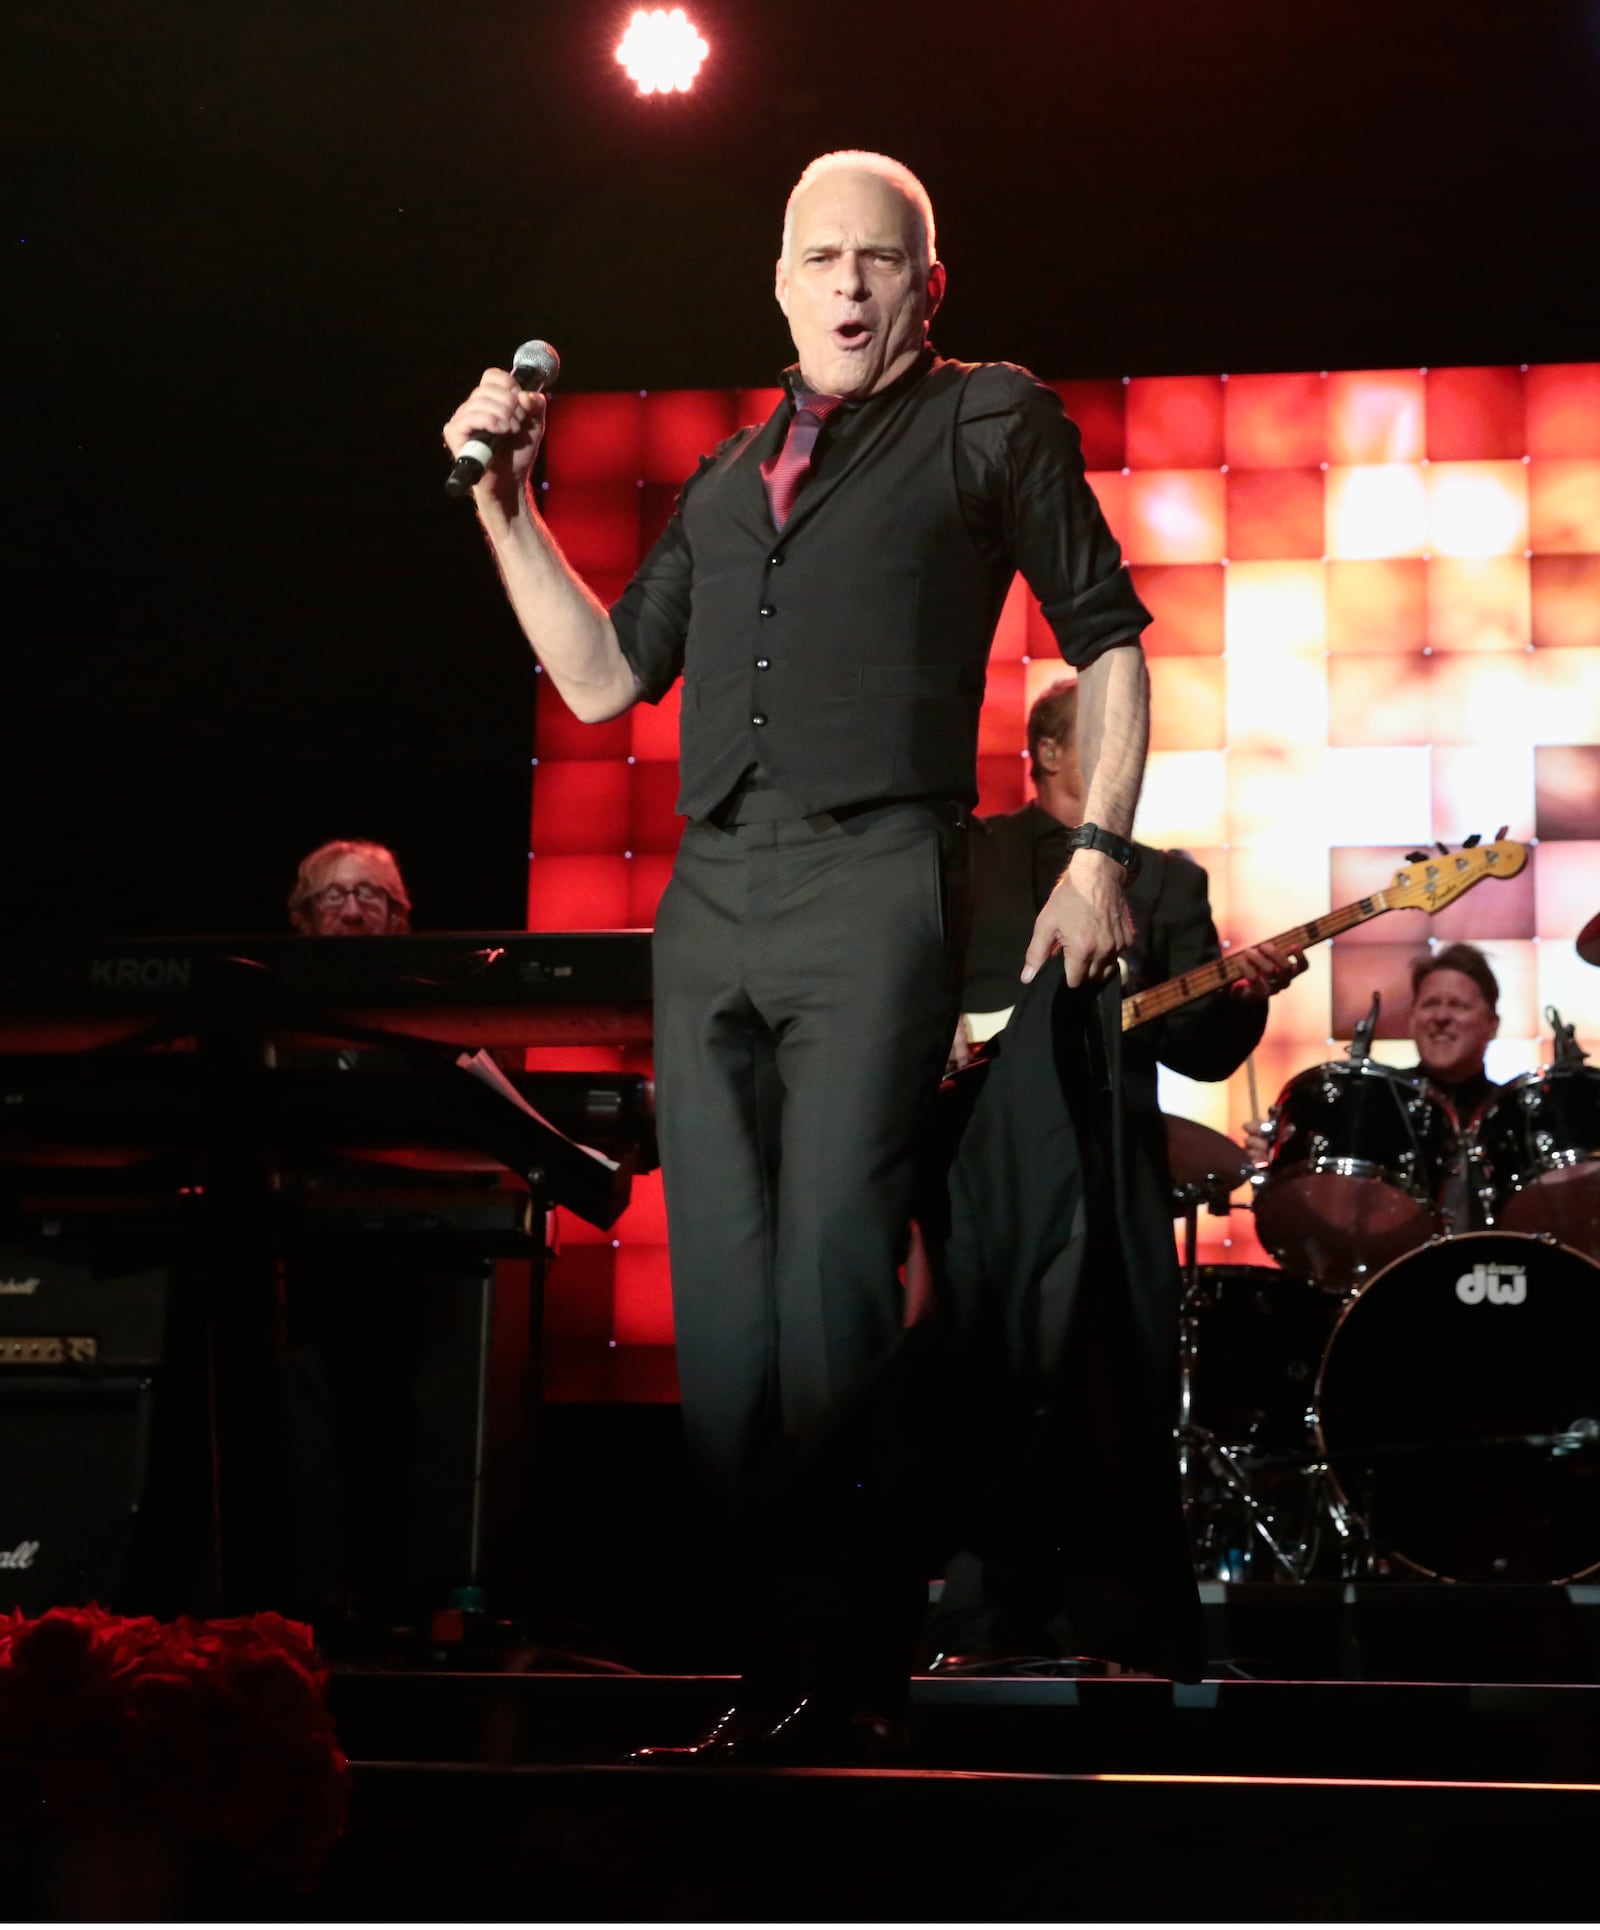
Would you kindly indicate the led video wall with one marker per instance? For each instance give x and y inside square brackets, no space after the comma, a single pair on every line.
[1377,624]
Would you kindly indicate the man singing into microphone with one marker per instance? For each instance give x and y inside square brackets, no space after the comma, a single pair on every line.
[828,588]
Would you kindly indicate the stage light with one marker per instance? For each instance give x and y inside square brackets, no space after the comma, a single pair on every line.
[662,51]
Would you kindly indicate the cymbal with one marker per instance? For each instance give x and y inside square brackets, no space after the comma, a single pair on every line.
[1589,941]
[1197,1154]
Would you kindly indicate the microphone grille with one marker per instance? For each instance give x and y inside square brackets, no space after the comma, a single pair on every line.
[536,366]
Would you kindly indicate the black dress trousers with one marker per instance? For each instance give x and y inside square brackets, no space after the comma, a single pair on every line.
[806,973]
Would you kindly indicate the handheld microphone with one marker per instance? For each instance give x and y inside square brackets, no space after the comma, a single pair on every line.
[534,368]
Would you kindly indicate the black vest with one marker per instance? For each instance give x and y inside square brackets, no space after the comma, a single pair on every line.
[847,655]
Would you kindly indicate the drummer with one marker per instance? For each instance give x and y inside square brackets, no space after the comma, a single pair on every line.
[1455,1000]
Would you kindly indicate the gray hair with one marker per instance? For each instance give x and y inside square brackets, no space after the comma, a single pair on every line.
[854,160]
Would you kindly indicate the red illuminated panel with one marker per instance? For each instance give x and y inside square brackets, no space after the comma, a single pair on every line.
[1187,704]
[1564,506]
[1479,603]
[1356,872]
[1110,488]
[1564,409]
[557,733]
[1379,700]
[648,873]
[578,893]
[1042,674]
[1011,633]
[578,1288]
[1474,414]
[1567,790]
[655,726]
[1275,513]
[1375,416]
[1174,516]
[1566,886]
[642,1296]
[1174,422]
[1361,970]
[1275,421]
[1002,723]
[575,1058]
[597,525]
[1566,602]
[645,1220]
[1378,606]
[681,426]
[579,805]
[594,439]
[1099,409]
[1185,603]
[1002,784]
[1479,787]
[652,821]
[1479,697]
[1377,511]
[754,405]
[1477,508]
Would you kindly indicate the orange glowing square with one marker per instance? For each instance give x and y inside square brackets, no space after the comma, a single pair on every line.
[1379,700]
[1566,877]
[1185,604]
[1515,963]
[597,526]
[1566,780]
[1564,409]
[1174,422]
[653,821]
[1002,785]
[1174,516]
[654,727]
[1566,602]
[1040,674]
[642,1295]
[1376,416]
[557,733]
[1110,488]
[1187,704]
[1479,787]
[1379,511]
[1010,643]
[1272,888]
[1274,610]
[1378,606]
[1361,970]
[579,806]
[578,893]
[1477,508]
[595,439]
[1277,699]
[1480,697]
[1380,792]
[1275,513]
[1100,410]
[1564,697]
[1184,800]
[1479,603]
[1563,506]
[1275,795]
[649,873]
[1003,720]
[681,426]
[1475,414]
[1362,871]
[1275,421]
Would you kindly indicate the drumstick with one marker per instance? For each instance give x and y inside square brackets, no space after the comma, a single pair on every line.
[1255,1097]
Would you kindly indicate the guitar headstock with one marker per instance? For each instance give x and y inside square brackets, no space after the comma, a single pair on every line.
[1431,879]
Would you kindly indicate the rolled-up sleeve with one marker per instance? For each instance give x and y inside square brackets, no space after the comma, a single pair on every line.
[651,617]
[1024,455]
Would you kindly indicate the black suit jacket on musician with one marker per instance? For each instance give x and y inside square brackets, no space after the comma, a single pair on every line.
[1016,860]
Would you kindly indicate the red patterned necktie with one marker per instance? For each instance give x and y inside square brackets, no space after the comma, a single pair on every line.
[785,472]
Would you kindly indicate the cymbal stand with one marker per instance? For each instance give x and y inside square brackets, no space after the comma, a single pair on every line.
[1198,1445]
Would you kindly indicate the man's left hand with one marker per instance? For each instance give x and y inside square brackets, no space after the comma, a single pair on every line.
[1085,918]
[1266,971]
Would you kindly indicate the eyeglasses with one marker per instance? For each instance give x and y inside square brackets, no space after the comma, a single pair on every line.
[331,897]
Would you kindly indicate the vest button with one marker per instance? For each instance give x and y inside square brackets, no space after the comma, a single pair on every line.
[763,663]
[774,560]
[766,610]
[759,719]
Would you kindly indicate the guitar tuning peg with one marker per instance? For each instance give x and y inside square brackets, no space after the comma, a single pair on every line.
[1468,843]
[1443,849]
[1416,857]
[1500,834]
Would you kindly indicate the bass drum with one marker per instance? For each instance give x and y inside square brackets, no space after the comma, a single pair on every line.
[1436,1375]
[1357,1157]
[1540,1146]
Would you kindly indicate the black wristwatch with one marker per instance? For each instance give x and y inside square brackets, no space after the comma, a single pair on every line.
[1090,837]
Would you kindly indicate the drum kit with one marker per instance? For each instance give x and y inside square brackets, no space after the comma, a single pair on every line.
[1417,1391]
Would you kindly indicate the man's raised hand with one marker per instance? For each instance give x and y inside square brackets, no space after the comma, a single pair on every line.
[498,407]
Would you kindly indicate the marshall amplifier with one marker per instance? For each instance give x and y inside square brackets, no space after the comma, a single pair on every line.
[68,1303]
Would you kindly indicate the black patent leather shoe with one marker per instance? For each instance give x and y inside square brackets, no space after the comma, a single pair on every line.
[808,1734]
